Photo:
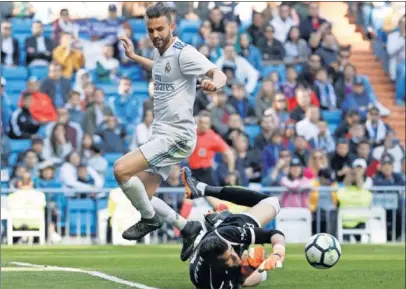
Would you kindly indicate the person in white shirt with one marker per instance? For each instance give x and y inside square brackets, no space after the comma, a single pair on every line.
[308,127]
[108,62]
[245,72]
[392,147]
[282,23]
[92,49]
[143,131]
[396,48]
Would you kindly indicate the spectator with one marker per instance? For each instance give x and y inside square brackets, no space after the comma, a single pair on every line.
[308,127]
[386,176]
[10,51]
[282,23]
[216,20]
[229,70]
[289,135]
[37,145]
[396,48]
[317,37]
[328,50]
[345,82]
[42,108]
[97,161]
[250,52]
[256,29]
[74,107]
[18,171]
[308,75]
[301,150]
[245,72]
[356,135]
[280,108]
[30,162]
[215,49]
[203,35]
[113,135]
[70,58]
[173,180]
[296,185]
[58,146]
[265,98]
[55,85]
[231,35]
[203,101]
[46,178]
[92,48]
[205,50]
[272,49]
[86,147]
[6,110]
[270,153]
[89,92]
[119,51]
[69,174]
[235,127]
[289,86]
[280,170]
[82,79]
[326,202]
[96,113]
[317,162]
[274,76]
[392,147]
[325,90]
[241,104]
[74,131]
[377,129]
[149,102]
[64,25]
[208,143]
[324,141]
[37,47]
[125,105]
[343,129]
[343,58]
[303,100]
[22,123]
[340,161]
[312,23]
[296,49]
[107,66]
[265,137]
[111,26]
[358,99]
[248,162]
[364,152]
[220,112]
[25,182]
[359,167]
[143,130]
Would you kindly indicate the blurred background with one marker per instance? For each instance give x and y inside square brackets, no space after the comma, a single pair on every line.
[313,112]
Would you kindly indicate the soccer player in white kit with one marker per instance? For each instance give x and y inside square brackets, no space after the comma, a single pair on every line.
[175,68]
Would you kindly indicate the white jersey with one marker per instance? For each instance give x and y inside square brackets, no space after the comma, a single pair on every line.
[174,74]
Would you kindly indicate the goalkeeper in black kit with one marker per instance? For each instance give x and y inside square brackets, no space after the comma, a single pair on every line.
[222,258]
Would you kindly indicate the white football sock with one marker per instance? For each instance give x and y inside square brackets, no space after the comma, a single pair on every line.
[135,191]
[168,214]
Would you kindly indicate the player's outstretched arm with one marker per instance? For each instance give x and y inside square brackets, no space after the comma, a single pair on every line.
[129,52]
[218,80]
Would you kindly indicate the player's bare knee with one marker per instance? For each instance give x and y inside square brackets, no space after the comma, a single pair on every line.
[273,202]
[120,171]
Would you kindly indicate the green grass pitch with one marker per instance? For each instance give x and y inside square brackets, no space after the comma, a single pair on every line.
[360,267]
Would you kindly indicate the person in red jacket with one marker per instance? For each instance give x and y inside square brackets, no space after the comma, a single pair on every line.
[298,105]
[42,108]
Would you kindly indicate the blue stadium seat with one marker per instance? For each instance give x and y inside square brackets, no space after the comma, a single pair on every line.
[139,36]
[12,159]
[82,214]
[280,69]
[252,131]
[110,174]
[15,86]
[138,25]
[19,145]
[48,30]
[21,25]
[39,72]
[21,40]
[13,98]
[332,117]
[4,185]
[134,72]
[140,87]
[332,128]
[15,73]
[187,37]
[108,89]
[189,26]
[101,204]
[111,184]
[112,157]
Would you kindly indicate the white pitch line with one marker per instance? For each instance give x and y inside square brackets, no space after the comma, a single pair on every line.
[92,273]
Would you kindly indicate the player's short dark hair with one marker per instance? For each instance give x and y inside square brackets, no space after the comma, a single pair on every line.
[160,9]
[211,248]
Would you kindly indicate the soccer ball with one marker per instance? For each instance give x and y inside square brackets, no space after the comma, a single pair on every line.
[323,251]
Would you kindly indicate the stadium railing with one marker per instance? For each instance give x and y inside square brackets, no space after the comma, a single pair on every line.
[79,219]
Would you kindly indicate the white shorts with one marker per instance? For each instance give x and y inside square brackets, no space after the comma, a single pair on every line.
[161,152]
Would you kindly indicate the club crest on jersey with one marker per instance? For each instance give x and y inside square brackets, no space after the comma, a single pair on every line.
[168,68]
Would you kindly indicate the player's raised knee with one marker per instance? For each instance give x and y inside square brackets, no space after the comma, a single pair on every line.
[120,171]
[273,202]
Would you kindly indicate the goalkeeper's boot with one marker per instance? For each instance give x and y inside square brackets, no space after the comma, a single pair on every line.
[189,235]
[190,183]
[142,228]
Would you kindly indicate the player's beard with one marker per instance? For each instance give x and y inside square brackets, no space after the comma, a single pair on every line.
[163,42]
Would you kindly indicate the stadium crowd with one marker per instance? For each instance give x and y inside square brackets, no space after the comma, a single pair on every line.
[295,113]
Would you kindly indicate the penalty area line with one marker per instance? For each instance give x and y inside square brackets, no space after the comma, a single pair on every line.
[88,272]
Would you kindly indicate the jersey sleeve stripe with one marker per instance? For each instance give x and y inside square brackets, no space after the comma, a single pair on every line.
[252,235]
[225,240]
